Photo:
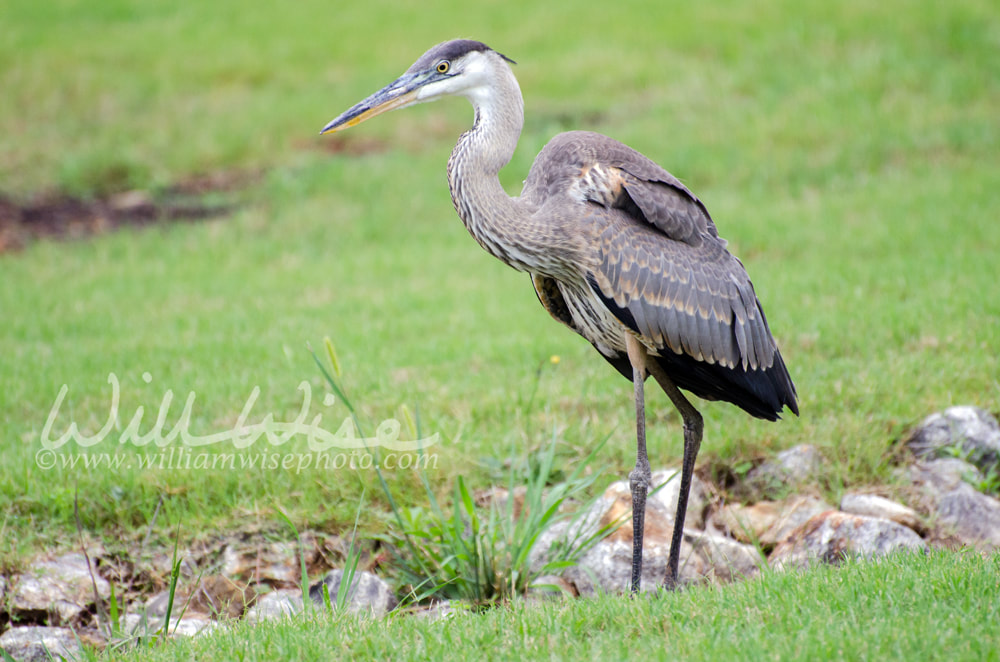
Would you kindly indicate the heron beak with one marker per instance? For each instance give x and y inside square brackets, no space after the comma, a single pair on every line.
[397,94]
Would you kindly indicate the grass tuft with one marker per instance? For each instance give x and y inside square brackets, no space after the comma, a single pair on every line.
[482,554]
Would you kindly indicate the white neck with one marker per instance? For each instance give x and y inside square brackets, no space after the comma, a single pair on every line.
[501,224]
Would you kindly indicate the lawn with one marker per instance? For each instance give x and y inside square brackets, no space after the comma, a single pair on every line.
[847,151]
[942,607]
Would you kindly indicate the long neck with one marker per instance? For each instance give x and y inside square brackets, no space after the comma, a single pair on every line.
[498,222]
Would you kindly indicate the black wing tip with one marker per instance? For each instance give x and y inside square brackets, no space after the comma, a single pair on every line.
[793,406]
[775,389]
[714,382]
[783,386]
[763,394]
[777,413]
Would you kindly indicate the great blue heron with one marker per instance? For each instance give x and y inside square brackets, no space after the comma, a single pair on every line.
[618,250]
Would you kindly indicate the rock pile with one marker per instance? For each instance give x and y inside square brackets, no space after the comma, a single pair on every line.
[57,603]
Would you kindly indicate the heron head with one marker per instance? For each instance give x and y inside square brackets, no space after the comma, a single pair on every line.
[460,67]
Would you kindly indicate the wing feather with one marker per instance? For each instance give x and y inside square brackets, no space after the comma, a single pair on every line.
[690,295]
[659,266]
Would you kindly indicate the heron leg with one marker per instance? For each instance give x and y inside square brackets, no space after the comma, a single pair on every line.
[693,428]
[640,476]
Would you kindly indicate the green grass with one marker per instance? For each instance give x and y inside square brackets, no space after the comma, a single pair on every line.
[847,151]
[941,607]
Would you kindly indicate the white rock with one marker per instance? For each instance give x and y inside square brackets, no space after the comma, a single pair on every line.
[615,507]
[727,559]
[971,516]
[876,506]
[607,567]
[367,593]
[831,536]
[137,624]
[63,588]
[439,611]
[276,604]
[942,475]
[156,605]
[694,517]
[38,642]
[768,522]
[970,430]
[192,626]
[794,466]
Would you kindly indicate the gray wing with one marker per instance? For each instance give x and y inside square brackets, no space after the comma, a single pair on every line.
[659,262]
[654,260]
[594,168]
[695,300]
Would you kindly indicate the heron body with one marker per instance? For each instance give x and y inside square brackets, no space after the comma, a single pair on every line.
[618,250]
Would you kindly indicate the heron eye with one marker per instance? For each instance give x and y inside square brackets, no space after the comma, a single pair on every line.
[443,66]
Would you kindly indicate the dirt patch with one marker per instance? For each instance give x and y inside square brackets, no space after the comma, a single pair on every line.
[351,146]
[60,216]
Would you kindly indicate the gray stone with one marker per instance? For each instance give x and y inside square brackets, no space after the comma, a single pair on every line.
[969,431]
[661,507]
[276,604]
[162,563]
[970,516]
[726,559]
[800,463]
[794,466]
[189,624]
[612,510]
[214,594]
[156,605]
[698,497]
[367,593]
[831,536]
[607,567]
[940,476]
[137,624]
[960,514]
[271,562]
[876,506]
[605,512]
[192,625]
[41,643]
[439,611]
[568,532]
[61,589]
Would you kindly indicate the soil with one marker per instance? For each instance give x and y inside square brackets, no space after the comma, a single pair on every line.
[61,216]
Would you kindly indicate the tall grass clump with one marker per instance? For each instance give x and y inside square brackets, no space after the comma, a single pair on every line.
[483,551]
